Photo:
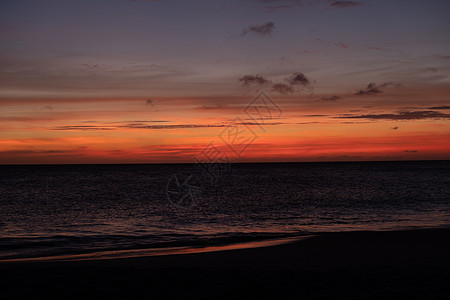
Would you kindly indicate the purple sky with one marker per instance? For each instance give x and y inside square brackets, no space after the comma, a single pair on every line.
[193,48]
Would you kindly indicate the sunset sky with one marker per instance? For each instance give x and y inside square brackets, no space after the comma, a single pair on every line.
[119,81]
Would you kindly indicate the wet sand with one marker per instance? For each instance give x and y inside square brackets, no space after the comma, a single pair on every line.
[412,264]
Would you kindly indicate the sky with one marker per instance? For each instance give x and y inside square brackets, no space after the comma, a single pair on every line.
[171,81]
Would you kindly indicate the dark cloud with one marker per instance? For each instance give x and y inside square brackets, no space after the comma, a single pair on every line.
[394,128]
[440,107]
[411,151]
[345,4]
[263,30]
[403,115]
[369,90]
[372,88]
[331,98]
[282,88]
[298,79]
[149,102]
[253,79]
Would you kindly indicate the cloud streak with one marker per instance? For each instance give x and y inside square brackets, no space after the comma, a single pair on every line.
[440,107]
[142,125]
[403,115]
[330,98]
[345,4]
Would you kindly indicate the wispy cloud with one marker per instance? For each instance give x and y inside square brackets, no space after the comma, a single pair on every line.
[277,5]
[262,30]
[81,128]
[173,126]
[146,0]
[341,45]
[443,56]
[282,88]
[330,98]
[99,126]
[35,151]
[345,4]
[133,126]
[378,48]
[92,66]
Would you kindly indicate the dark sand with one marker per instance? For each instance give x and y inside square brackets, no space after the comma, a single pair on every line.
[411,264]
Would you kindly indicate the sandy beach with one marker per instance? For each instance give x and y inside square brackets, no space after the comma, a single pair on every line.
[412,264]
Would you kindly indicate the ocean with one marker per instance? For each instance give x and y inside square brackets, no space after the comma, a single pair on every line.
[63,210]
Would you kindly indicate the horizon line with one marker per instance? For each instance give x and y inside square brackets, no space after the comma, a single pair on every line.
[194,163]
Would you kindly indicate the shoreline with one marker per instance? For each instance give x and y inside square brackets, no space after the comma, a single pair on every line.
[377,264]
[183,249]
[148,252]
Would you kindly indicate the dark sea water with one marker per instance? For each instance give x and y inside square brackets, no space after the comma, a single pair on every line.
[72,209]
